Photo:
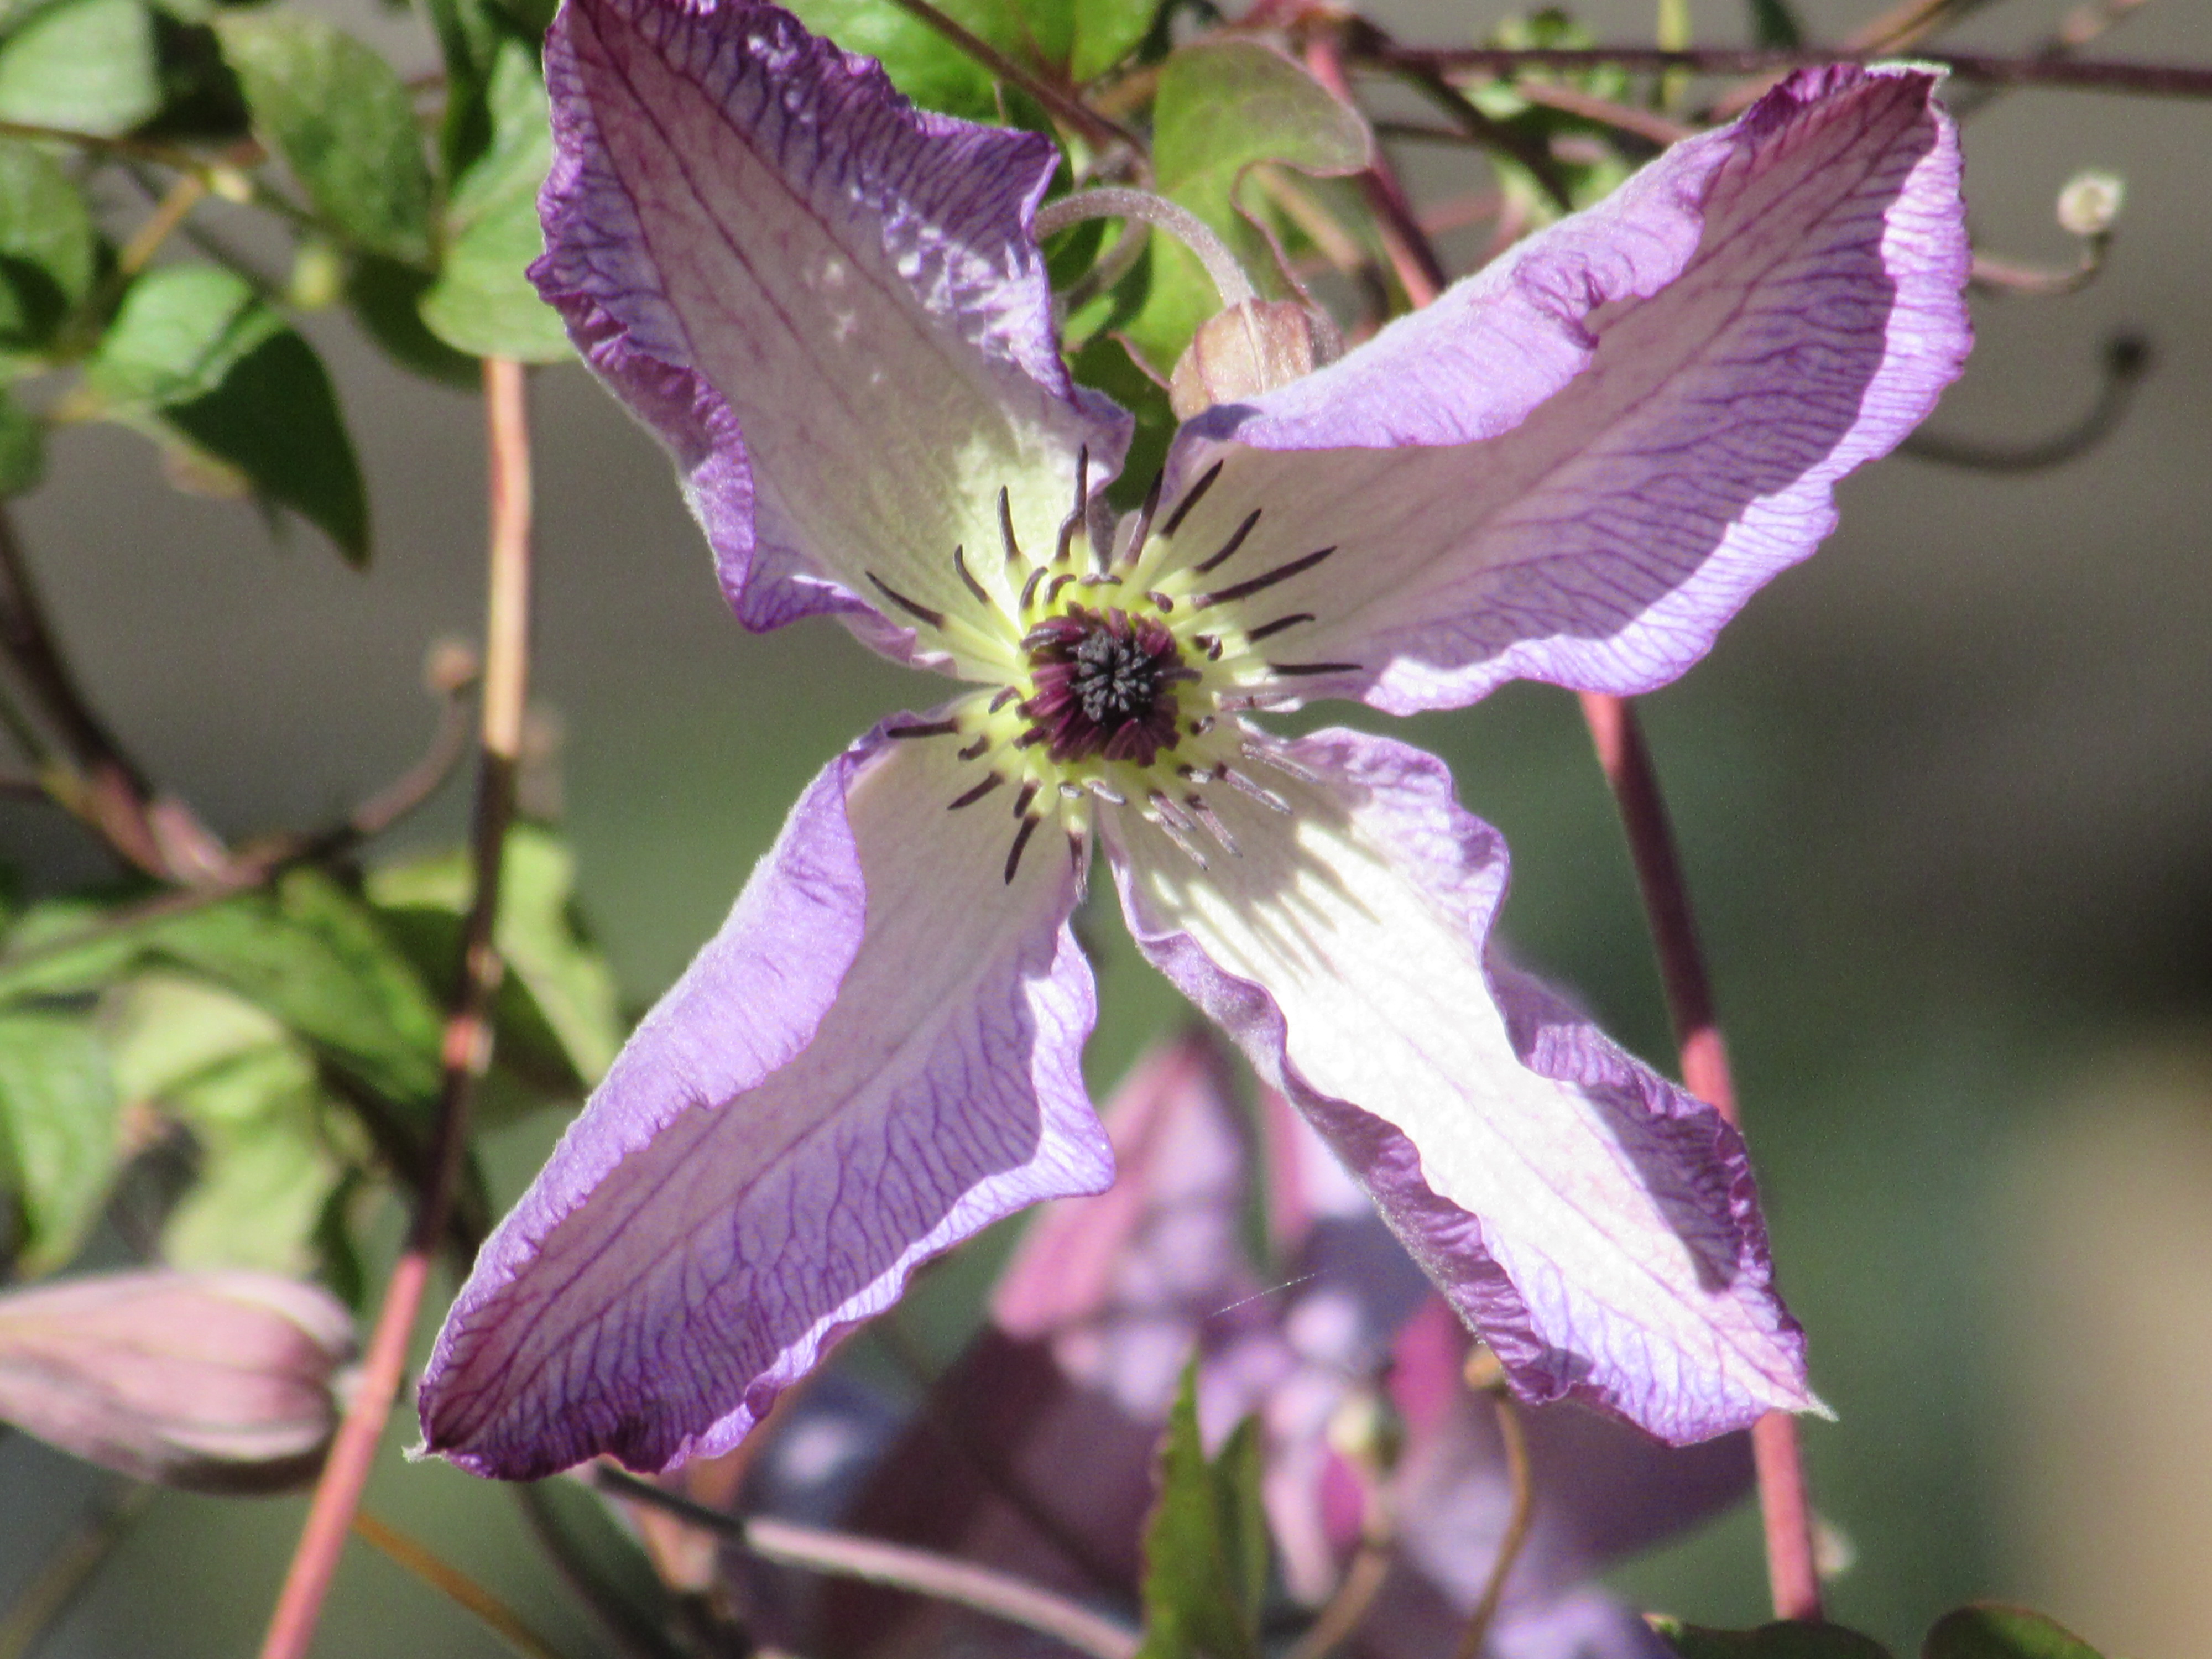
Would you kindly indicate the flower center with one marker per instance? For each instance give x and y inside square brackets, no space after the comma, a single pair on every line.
[1103,685]
[1118,679]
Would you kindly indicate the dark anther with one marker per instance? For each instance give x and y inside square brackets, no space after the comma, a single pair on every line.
[1251,585]
[974,750]
[1022,801]
[1030,586]
[1191,497]
[1298,668]
[926,729]
[1270,629]
[1021,840]
[1165,603]
[960,564]
[1051,594]
[1144,530]
[1235,541]
[976,793]
[1104,684]
[1001,698]
[1006,526]
[911,607]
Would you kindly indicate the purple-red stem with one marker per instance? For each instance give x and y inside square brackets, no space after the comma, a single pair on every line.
[1419,272]
[466,1050]
[1784,1504]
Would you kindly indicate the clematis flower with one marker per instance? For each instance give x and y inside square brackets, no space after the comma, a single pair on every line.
[1575,466]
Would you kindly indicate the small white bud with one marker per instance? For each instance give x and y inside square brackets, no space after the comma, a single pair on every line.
[2091,202]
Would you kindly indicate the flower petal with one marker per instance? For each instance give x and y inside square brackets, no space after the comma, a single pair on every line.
[878,1055]
[1578,464]
[747,228]
[1596,1223]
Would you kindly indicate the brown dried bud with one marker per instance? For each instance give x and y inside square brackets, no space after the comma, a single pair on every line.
[220,1382]
[1249,349]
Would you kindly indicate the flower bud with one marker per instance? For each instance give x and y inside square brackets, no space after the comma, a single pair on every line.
[1249,349]
[2090,203]
[220,1382]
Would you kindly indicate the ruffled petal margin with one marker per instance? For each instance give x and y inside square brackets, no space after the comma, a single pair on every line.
[1578,464]
[1594,1223]
[878,1055]
[747,228]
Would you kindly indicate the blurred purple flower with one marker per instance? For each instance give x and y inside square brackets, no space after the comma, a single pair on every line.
[1035,1454]
[1575,466]
[221,1382]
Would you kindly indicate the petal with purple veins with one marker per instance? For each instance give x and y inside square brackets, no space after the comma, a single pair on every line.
[830,307]
[1578,464]
[878,1055]
[1594,1221]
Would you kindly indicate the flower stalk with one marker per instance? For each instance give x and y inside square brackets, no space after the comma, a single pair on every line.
[1785,1508]
[466,1051]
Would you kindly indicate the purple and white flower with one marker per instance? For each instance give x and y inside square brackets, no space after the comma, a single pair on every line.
[1574,467]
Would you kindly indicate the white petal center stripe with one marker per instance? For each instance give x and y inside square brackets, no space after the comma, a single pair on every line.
[704,1270]
[1336,915]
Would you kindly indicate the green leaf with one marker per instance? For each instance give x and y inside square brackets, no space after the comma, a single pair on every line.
[23,448]
[1222,106]
[1987,1630]
[266,1172]
[1790,1639]
[1106,32]
[47,247]
[557,1007]
[1774,28]
[340,117]
[85,65]
[194,344]
[312,954]
[483,303]
[57,1130]
[56,948]
[167,1029]
[921,63]
[1206,1542]
[385,297]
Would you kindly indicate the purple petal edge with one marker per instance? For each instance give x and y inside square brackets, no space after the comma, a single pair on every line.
[1552,1344]
[936,184]
[762,1167]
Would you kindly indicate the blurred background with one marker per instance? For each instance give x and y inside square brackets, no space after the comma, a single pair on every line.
[1944,794]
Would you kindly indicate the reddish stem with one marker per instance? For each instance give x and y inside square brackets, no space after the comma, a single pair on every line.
[467,1045]
[1420,273]
[1783,1502]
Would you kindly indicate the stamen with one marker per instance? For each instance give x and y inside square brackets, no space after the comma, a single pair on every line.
[1107,792]
[1029,794]
[1266,755]
[1079,849]
[1235,541]
[960,564]
[977,793]
[1201,726]
[1178,833]
[1030,586]
[974,750]
[1138,537]
[1298,668]
[1051,594]
[1191,498]
[1266,797]
[1004,696]
[913,607]
[1165,603]
[1074,522]
[1021,840]
[1270,629]
[1214,826]
[1245,589]
[925,729]
[1197,774]
[1006,527]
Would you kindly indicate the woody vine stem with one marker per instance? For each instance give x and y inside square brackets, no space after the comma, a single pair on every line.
[465,1053]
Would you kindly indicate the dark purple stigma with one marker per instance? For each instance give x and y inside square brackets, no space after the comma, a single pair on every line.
[1105,685]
